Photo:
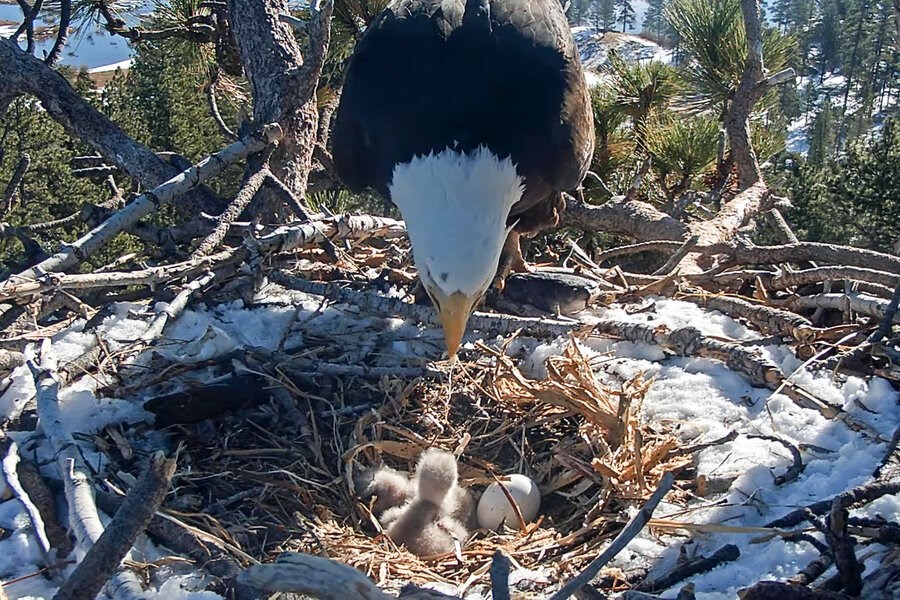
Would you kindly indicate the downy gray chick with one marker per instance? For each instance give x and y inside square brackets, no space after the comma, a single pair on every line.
[389,487]
[429,522]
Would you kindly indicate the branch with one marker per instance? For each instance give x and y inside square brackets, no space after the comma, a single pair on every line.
[62,35]
[241,201]
[625,536]
[21,73]
[83,516]
[132,517]
[148,203]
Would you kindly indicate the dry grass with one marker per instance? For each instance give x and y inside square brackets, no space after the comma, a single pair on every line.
[261,483]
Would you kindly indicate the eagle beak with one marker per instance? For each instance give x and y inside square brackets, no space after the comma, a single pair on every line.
[454,311]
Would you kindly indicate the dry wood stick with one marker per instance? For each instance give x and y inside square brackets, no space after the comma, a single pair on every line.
[842,548]
[776,590]
[383,305]
[831,254]
[84,519]
[10,474]
[678,256]
[173,309]
[767,319]
[633,527]
[861,303]
[149,202]
[855,497]
[654,246]
[241,201]
[727,553]
[114,544]
[786,279]
[40,493]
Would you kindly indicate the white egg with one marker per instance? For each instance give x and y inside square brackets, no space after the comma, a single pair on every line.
[494,507]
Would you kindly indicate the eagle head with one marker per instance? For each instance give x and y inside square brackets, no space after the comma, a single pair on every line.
[456,206]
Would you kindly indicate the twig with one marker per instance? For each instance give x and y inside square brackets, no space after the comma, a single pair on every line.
[173,309]
[10,475]
[855,497]
[727,553]
[214,106]
[797,465]
[776,590]
[842,548]
[676,258]
[888,319]
[383,305]
[132,517]
[633,527]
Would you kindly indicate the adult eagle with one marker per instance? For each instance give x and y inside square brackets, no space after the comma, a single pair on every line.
[472,116]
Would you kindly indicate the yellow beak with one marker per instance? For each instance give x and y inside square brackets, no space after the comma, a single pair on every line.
[454,311]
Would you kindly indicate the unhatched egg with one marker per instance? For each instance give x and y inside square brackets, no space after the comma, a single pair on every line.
[494,507]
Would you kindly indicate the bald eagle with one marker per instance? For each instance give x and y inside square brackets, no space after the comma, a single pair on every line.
[471,116]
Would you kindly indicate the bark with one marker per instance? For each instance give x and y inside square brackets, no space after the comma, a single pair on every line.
[737,120]
[283,86]
[21,73]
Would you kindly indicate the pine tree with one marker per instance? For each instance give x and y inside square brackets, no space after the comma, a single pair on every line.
[654,22]
[625,14]
[604,12]
[822,135]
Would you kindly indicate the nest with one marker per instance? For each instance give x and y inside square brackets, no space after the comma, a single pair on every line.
[266,480]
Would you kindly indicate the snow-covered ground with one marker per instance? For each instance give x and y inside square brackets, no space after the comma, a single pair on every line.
[700,398]
[594,47]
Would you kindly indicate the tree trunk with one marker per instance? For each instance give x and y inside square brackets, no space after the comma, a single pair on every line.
[283,86]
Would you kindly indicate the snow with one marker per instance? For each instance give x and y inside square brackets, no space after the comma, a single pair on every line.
[702,399]
[124,64]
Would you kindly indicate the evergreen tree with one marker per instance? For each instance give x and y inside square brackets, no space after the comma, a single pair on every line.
[822,135]
[604,13]
[625,14]
[654,22]
[853,200]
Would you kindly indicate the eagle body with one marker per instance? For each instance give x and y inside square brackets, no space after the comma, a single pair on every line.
[471,116]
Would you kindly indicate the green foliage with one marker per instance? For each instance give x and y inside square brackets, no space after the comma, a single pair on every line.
[48,191]
[822,134]
[641,87]
[614,146]
[625,14]
[713,37]
[682,147]
[853,200]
